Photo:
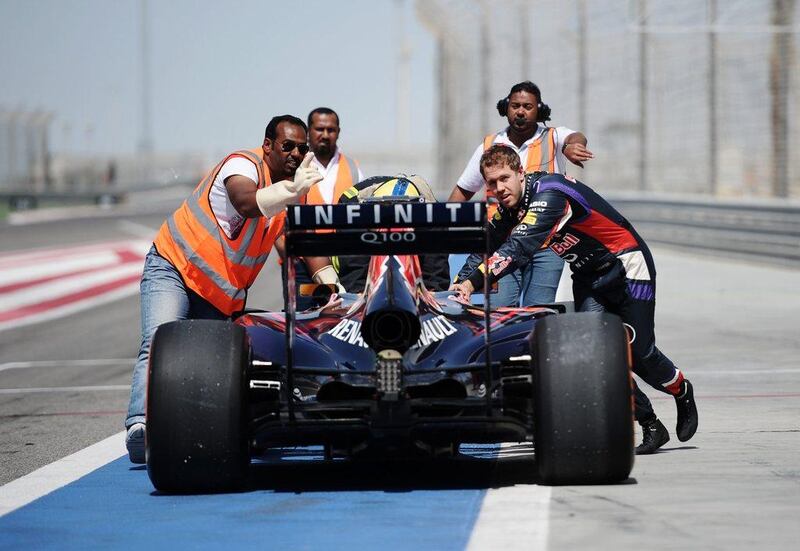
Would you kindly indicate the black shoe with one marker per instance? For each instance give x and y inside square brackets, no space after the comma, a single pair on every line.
[687,412]
[654,435]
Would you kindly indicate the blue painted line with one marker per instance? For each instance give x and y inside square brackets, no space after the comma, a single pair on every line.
[116,507]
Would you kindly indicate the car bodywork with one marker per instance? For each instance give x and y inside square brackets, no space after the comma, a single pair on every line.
[397,365]
[395,369]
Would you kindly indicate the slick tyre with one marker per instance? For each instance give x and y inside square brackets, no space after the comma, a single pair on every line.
[583,418]
[197,439]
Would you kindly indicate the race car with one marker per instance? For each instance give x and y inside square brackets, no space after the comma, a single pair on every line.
[392,371]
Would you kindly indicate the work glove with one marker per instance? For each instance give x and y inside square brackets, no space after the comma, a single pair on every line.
[328,275]
[304,177]
[274,198]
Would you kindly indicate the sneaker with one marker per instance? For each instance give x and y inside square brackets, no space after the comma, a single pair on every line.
[654,435]
[687,412]
[134,441]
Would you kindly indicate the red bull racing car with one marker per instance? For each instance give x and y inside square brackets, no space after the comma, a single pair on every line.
[393,369]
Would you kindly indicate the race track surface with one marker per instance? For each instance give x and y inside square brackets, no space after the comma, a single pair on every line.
[731,326]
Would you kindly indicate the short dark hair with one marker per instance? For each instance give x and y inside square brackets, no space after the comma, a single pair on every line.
[500,154]
[272,128]
[531,88]
[323,111]
[526,86]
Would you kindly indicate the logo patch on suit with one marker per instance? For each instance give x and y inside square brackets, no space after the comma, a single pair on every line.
[530,218]
[565,244]
[498,263]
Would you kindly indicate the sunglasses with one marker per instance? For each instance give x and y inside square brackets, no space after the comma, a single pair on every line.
[289,146]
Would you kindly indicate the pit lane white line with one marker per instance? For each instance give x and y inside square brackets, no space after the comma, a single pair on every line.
[35,390]
[66,285]
[78,306]
[97,259]
[516,517]
[38,255]
[67,363]
[49,478]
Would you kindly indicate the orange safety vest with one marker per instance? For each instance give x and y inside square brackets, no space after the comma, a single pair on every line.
[215,267]
[541,156]
[346,177]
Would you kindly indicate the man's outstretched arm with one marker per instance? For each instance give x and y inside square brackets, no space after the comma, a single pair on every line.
[575,150]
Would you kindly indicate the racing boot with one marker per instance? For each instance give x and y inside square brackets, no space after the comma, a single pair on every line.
[134,441]
[687,412]
[654,435]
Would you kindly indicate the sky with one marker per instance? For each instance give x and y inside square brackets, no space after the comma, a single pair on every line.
[219,70]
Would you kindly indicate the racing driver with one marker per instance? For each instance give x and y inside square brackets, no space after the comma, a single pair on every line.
[612,270]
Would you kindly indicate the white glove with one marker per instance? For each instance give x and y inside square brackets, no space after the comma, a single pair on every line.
[304,177]
[328,275]
[273,198]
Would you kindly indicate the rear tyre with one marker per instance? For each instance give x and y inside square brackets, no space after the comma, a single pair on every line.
[583,415]
[197,438]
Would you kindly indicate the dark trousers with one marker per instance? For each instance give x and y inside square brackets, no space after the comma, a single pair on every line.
[649,363]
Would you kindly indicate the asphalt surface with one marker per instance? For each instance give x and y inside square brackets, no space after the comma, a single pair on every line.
[730,325]
[37,428]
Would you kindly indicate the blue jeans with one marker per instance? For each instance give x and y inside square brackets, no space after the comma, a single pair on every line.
[535,283]
[164,298]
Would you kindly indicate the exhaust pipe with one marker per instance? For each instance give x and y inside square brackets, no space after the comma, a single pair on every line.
[392,320]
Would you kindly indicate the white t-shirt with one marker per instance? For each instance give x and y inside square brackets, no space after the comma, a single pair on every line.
[227,216]
[472,180]
[330,173]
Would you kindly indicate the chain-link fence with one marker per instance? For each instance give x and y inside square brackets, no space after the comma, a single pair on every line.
[674,95]
[29,168]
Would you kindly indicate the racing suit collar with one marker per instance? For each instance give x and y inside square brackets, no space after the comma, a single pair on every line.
[525,197]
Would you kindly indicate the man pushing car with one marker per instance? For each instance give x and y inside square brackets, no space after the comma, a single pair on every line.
[210,250]
[612,270]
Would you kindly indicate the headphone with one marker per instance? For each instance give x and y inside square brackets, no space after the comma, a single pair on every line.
[544,109]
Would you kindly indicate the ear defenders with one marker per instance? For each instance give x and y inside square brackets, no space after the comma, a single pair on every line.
[543,115]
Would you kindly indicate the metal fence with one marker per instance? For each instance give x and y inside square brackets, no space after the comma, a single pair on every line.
[24,150]
[688,96]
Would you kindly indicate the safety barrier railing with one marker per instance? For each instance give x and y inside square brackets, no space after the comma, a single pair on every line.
[17,201]
[765,229]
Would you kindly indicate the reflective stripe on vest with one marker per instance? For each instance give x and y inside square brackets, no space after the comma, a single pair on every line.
[541,151]
[217,268]
[346,177]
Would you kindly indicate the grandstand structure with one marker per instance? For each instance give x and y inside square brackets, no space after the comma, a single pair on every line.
[675,96]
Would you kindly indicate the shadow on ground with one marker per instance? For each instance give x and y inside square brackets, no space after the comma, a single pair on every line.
[516,466]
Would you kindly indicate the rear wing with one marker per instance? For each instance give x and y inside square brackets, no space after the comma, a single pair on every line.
[381,229]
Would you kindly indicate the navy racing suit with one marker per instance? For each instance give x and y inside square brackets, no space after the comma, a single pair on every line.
[612,268]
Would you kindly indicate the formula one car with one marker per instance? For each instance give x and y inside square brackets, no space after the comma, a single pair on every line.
[391,371]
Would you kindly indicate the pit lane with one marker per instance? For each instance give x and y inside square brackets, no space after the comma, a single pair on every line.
[730,325]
